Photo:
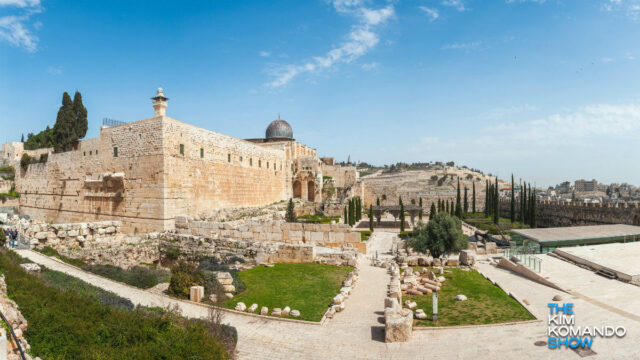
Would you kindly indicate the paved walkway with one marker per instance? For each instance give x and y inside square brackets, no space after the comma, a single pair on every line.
[357,332]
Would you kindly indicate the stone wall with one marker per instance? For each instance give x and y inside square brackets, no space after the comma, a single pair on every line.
[144,173]
[74,234]
[557,214]
[342,176]
[274,231]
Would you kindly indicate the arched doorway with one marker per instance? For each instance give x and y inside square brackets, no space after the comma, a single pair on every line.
[311,190]
[297,189]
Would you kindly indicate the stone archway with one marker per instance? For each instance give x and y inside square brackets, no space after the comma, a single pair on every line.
[297,189]
[311,190]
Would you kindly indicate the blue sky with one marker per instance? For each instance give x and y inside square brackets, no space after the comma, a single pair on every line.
[548,90]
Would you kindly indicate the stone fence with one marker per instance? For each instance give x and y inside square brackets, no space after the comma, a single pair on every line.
[73,234]
[331,235]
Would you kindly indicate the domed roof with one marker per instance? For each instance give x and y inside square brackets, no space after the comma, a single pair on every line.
[279,129]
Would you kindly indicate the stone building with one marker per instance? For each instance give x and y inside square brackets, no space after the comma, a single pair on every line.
[147,172]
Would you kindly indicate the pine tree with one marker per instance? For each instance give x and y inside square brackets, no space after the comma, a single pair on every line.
[371,218]
[458,211]
[80,125]
[466,201]
[290,215]
[432,211]
[473,198]
[63,130]
[496,204]
[513,201]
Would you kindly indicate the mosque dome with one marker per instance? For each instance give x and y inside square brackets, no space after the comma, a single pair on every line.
[279,129]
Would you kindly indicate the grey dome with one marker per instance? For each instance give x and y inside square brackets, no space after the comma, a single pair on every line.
[279,129]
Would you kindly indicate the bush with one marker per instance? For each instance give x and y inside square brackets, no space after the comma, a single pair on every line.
[364,235]
[138,276]
[3,238]
[442,234]
[184,275]
[172,253]
[66,325]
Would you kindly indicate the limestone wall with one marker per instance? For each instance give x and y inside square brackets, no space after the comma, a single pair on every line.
[343,176]
[218,171]
[5,186]
[556,214]
[274,231]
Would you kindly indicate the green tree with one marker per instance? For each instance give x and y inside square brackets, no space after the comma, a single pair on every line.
[496,203]
[458,211]
[432,211]
[521,215]
[371,218]
[401,214]
[63,130]
[22,138]
[291,214]
[442,234]
[81,125]
[378,201]
[487,201]
[466,201]
[446,207]
[420,213]
[513,201]
[524,203]
[534,216]
[183,277]
[473,198]
[346,215]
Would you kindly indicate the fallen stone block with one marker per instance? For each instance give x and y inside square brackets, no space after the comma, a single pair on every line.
[295,313]
[252,308]
[398,325]
[276,312]
[241,306]
[414,292]
[224,278]
[410,304]
[420,314]
[286,311]
[264,310]
[460,298]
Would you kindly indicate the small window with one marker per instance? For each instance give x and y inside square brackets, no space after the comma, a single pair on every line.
[85,153]
[201,152]
[96,152]
[267,164]
[259,163]
[228,157]
[250,161]
[115,152]
[90,152]
[240,158]
[181,149]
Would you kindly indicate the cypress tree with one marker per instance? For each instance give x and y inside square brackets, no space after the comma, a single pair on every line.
[473,198]
[524,204]
[534,219]
[466,201]
[401,216]
[458,210]
[63,130]
[521,215]
[352,212]
[496,204]
[432,211]
[420,213]
[22,138]
[447,206]
[358,209]
[80,125]
[452,209]
[487,203]
[513,201]
[378,201]
[290,215]
[371,218]
[346,216]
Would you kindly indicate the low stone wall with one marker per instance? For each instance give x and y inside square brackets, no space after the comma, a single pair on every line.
[74,234]
[17,322]
[275,231]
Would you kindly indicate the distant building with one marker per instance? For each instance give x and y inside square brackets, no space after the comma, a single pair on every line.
[586,185]
[564,187]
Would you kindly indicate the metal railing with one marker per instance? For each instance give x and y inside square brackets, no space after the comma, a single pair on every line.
[528,260]
[112,122]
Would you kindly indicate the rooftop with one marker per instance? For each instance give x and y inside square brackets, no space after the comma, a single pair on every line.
[578,234]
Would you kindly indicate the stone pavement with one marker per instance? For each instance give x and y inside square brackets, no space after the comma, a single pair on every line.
[357,332]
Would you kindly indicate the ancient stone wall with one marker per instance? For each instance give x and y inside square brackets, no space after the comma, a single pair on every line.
[342,176]
[5,186]
[273,231]
[204,171]
[557,214]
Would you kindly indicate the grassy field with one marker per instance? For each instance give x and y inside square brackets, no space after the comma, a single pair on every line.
[486,223]
[69,325]
[308,288]
[486,304]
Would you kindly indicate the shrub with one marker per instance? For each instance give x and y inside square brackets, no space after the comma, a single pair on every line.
[25,161]
[138,276]
[66,325]
[172,253]
[183,276]
[3,238]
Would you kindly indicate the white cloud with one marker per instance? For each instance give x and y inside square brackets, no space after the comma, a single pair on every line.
[20,3]
[462,46]
[15,28]
[360,40]
[630,8]
[54,70]
[432,14]
[370,66]
[265,53]
[457,4]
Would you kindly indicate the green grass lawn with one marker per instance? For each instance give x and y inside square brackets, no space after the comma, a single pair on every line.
[486,304]
[486,223]
[308,288]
